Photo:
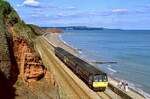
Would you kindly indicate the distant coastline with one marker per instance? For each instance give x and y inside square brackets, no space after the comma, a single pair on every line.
[92,28]
[80,28]
[53,30]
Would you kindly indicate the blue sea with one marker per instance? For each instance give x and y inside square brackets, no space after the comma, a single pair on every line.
[129,48]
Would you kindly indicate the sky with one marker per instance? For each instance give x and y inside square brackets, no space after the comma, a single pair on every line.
[116,14]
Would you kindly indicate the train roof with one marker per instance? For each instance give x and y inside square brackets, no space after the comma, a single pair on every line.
[90,68]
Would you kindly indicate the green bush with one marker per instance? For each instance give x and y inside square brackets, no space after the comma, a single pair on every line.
[5,65]
[5,8]
[24,31]
[36,29]
[13,18]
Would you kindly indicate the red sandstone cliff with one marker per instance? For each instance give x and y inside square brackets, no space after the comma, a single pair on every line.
[53,30]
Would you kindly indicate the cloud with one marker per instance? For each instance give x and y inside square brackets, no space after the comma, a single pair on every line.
[147,6]
[141,10]
[92,14]
[144,9]
[19,5]
[31,3]
[71,8]
[120,10]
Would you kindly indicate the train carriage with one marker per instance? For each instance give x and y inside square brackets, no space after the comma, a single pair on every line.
[94,78]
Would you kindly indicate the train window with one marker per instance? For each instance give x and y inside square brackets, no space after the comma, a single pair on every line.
[90,79]
[98,78]
[104,78]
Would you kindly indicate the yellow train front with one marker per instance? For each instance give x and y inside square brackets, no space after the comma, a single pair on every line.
[100,82]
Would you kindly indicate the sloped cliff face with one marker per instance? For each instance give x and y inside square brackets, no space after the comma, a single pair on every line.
[20,64]
[5,63]
[6,89]
[11,29]
[53,30]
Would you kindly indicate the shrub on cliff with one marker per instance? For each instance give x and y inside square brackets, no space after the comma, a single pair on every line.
[21,30]
[5,8]
[8,14]
[36,29]
[5,63]
[13,18]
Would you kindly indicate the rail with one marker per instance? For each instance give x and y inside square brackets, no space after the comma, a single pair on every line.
[104,95]
[68,77]
[103,62]
[119,92]
[110,86]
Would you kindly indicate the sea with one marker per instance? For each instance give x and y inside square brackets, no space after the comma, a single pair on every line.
[129,48]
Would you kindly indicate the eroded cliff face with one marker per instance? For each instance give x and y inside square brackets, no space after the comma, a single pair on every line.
[30,65]
[17,40]
[53,30]
[6,55]
[20,64]
[5,63]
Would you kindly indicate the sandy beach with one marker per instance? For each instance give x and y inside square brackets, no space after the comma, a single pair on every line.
[57,42]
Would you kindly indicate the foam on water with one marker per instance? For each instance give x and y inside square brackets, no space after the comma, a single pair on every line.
[112,70]
[71,46]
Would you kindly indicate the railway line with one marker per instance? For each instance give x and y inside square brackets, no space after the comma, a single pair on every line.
[70,83]
[111,94]
[103,95]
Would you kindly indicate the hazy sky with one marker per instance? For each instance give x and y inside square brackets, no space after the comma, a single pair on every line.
[124,14]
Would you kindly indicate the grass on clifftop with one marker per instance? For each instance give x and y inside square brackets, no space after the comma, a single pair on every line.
[13,18]
[5,7]
[10,16]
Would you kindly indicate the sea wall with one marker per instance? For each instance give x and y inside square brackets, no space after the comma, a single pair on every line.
[119,92]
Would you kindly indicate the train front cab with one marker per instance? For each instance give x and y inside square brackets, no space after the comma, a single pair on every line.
[100,82]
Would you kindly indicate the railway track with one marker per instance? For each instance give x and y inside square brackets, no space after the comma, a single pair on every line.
[75,90]
[103,95]
[69,82]
[64,80]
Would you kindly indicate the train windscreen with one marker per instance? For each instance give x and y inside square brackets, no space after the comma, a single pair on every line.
[100,78]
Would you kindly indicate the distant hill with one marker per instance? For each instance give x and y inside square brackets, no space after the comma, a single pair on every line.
[53,30]
[77,28]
